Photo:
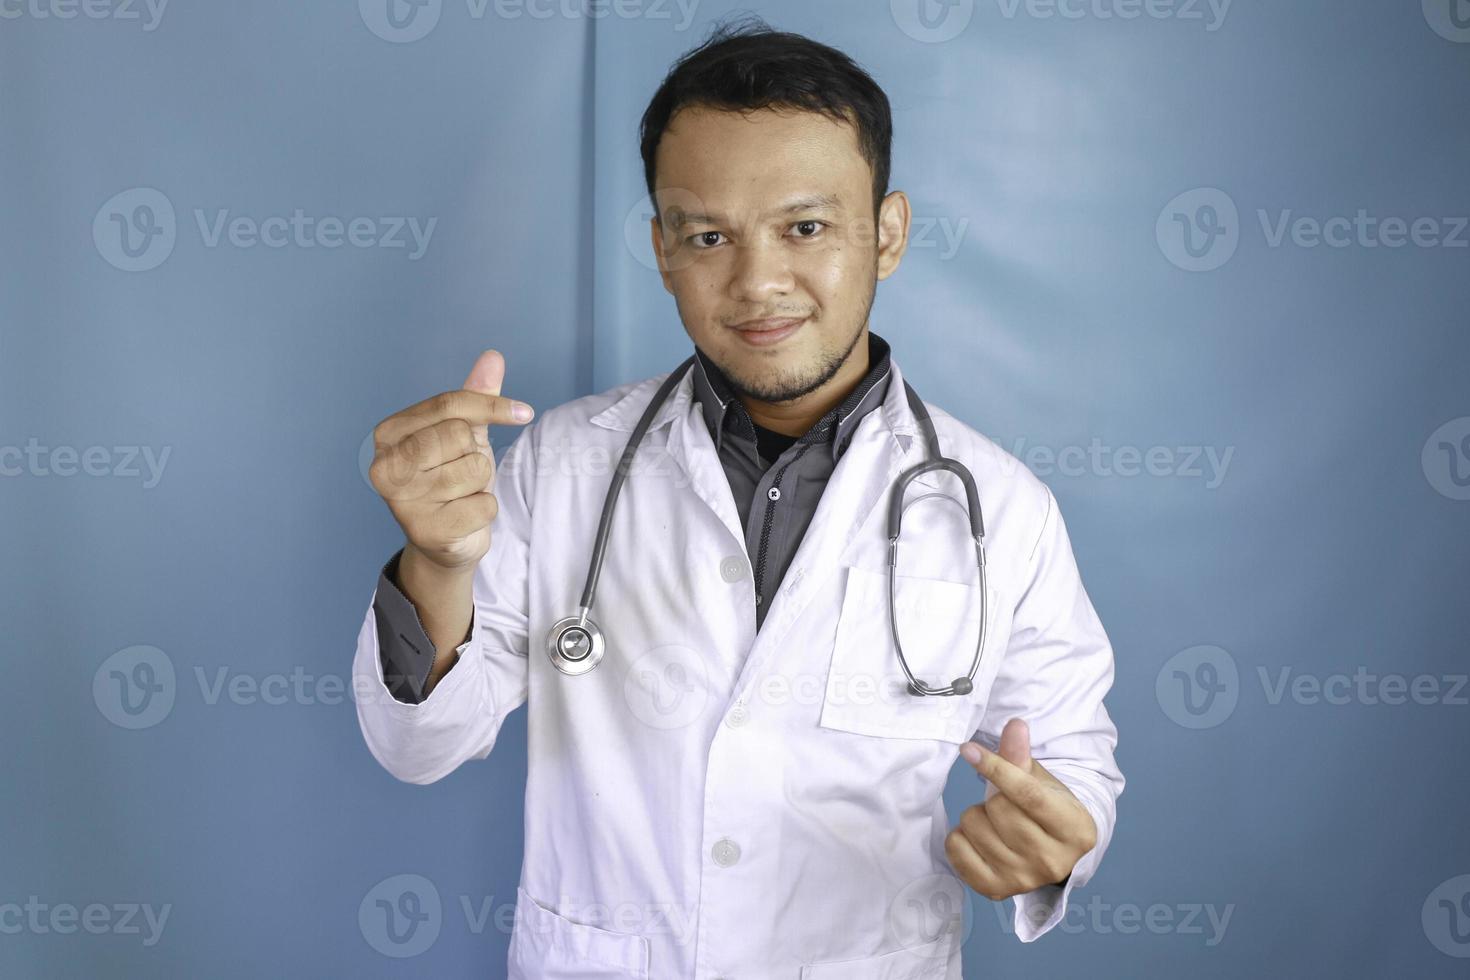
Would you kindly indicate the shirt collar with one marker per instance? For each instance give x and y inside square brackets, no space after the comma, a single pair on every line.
[722,410]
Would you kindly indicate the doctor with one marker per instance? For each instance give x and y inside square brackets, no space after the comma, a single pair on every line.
[744,784]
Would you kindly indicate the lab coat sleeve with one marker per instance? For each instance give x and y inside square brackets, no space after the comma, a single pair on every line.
[1057,668]
[461,718]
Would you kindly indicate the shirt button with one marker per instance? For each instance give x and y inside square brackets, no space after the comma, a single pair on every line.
[739,715]
[725,852]
[774,493]
[732,568]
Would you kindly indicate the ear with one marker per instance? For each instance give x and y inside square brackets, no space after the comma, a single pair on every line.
[893,232]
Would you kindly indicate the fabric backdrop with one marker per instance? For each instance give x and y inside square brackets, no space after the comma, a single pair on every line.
[1201,265]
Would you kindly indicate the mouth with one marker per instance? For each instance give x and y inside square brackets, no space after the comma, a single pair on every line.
[763,333]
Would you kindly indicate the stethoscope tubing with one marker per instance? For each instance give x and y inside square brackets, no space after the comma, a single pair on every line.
[576,643]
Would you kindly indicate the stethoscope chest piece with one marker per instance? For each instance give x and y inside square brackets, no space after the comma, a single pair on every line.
[575,645]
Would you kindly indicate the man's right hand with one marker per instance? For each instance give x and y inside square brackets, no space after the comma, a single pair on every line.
[434,467]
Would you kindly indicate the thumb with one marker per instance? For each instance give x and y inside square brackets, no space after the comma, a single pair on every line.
[486,377]
[1014,747]
[1015,744]
[487,374]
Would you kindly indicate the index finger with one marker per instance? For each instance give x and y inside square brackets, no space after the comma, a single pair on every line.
[475,407]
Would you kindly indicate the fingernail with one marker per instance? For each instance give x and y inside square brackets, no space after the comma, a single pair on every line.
[971,752]
[521,411]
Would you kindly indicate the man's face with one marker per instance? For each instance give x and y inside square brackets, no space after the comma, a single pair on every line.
[769,214]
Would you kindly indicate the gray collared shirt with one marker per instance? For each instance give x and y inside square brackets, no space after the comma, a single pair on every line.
[776,499]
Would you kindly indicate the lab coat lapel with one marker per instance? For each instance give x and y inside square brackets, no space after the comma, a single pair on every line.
[886,442]
[693,461]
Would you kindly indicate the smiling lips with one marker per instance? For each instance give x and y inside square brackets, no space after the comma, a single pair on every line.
[763,333]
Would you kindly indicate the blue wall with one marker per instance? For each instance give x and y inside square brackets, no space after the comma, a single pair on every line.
[1261,441]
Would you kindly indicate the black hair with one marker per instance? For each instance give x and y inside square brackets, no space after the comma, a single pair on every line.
[749,65]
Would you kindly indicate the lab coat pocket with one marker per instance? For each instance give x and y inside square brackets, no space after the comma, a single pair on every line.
[938,621]
[927,962]
[547,946]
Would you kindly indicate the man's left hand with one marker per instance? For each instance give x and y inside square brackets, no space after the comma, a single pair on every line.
[1031,829]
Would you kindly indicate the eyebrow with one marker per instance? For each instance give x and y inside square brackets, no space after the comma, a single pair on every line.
[816,202]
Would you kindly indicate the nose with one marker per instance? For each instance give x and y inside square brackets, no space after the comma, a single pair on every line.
[761,271]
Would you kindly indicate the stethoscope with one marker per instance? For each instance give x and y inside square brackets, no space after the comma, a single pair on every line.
[576,644]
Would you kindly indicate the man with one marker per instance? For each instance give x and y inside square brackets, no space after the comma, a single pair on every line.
[745,787]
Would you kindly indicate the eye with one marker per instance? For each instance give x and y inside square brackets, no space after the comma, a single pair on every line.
[700,241]
[813,225]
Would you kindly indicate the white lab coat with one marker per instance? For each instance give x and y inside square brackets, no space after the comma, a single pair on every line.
[710,802]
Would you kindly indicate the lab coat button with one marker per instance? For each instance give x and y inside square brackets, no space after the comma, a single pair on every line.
[732,568]
[739,715]
[726,852]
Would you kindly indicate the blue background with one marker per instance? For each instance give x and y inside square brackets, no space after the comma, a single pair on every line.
[1051,147]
